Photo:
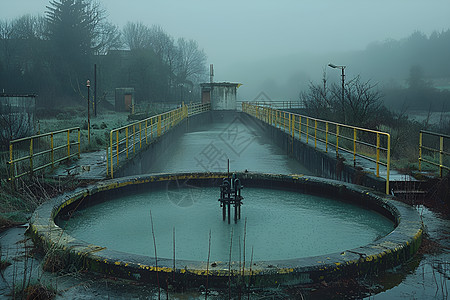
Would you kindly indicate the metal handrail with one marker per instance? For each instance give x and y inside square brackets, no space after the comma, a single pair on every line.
[31,156]
[298,125]
[128,138]
[278,104]
[442,153]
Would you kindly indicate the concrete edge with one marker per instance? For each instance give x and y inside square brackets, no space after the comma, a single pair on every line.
[392,250]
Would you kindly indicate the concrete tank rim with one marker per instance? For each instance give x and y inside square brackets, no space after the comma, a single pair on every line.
[406,236]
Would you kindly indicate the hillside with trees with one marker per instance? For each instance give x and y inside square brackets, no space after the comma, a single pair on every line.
[54,55]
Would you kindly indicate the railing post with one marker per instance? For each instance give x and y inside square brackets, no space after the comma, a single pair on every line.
[300,128]
[134,134]
[158,127]
[315,133]
[79,142]
[126,140]
[271,115]
[378,155]
[11,165]
[388,163]
[111,151]
[293,126]
[68,143]
[107,161]
[31,157]
[441,154]
[146,137]
[354,146]
[51,150]
[290,123]
[307,130]
[151,128]
[420,151]
[326,137]
[337,140]
[140,135]
[117,148]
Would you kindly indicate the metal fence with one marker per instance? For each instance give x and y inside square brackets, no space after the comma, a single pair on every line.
[131,138]
[369,144]
[433,150]
[277,104]
[32,154]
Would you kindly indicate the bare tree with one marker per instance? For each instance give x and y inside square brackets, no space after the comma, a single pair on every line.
[361,105]
[136,36]
[191,64]
[29,27]
[317,100]
[106,37]
[15,122]
[6,34]
[164,46]
[363,102]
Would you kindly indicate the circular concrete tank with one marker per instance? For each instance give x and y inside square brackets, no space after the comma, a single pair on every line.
[384,252]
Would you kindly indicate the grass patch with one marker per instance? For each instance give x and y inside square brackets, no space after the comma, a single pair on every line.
[35,290]
[57,260]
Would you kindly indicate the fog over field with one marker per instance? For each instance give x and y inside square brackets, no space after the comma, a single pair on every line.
[279,46]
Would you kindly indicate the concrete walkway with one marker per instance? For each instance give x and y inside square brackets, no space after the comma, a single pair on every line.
[90,166]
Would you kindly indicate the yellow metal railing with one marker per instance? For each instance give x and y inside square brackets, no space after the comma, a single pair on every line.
[31,154]
[131,138]
[438,153]
[361,142]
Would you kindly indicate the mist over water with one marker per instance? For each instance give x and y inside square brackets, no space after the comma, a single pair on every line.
[209,148]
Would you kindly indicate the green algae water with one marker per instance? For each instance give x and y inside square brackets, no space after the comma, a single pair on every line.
[280,224]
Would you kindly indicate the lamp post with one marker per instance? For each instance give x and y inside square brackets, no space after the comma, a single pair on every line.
[88,85]
[343,83]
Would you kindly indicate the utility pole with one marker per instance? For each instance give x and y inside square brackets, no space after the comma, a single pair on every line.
[95,90]
[88,85]
[343,85]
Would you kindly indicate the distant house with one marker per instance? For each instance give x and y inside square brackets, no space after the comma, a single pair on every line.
[16,116]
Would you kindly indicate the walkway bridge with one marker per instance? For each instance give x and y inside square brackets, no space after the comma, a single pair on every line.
[326,149]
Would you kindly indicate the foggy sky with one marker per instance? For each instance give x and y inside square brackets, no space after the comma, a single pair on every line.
[239,36]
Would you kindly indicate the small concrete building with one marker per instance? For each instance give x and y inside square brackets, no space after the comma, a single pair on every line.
[221,95]
[124,99]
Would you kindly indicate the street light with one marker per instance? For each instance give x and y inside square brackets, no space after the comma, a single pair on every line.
[88,85]
[343,83]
